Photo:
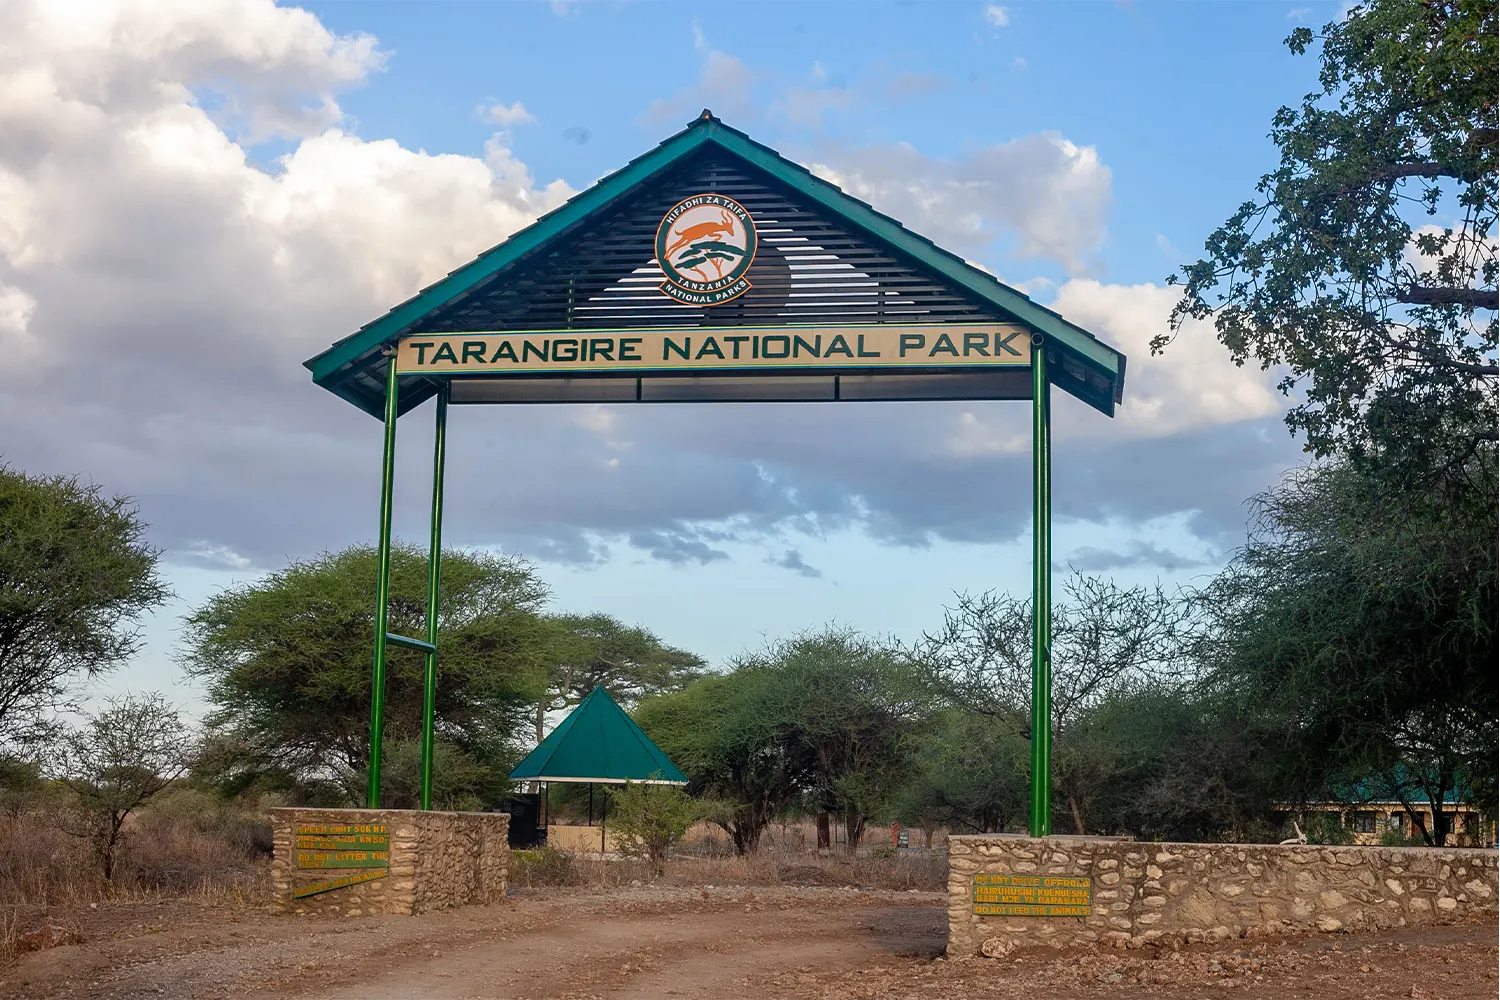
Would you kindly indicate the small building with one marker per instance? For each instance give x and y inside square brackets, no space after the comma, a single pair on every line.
[597,744]
[1373,813]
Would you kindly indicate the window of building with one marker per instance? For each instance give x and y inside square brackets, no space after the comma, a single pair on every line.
[1364,822]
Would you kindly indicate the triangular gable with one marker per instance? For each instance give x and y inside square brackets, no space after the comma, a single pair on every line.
[589,264]
[598,743]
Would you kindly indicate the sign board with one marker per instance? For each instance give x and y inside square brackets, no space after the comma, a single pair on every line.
[1032,896]
[903,838]
[328,885]
[788,349]
[354,845]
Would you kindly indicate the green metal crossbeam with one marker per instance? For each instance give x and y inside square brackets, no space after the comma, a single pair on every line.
[410,643]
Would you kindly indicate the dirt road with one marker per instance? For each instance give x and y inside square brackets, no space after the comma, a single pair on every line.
[651,943]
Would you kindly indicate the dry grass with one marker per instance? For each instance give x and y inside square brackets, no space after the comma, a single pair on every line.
[702,862]
[186,846]
[798,837]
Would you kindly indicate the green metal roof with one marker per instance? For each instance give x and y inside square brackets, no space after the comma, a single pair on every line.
[1081,362]
[598,743]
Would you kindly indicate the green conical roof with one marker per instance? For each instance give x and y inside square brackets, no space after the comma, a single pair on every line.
[598,743]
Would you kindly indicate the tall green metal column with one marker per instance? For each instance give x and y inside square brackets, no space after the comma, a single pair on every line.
[434,580]
[1041,593]
[382,586]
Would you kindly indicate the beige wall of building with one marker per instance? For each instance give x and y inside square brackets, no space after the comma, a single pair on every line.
[1370,821]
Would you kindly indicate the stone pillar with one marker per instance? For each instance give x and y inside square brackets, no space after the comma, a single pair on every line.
[437,860]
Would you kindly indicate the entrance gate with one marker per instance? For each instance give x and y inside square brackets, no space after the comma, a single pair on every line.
[712,269]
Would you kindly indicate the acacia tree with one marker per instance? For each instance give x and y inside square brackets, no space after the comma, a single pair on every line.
[844,703]
[1106,640]
[598,650]
[287,663]
[116,763]
[1360,619]
[968,772]
[75,574]
[725,735]
[1366,263]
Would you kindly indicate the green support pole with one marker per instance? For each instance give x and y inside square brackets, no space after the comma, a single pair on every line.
[434,578]
[1041,593]
[382,586]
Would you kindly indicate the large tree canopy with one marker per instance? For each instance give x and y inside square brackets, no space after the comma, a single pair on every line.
[725,735]
[1360,621]
[1366,263]
[818,720]
[75,574]
[628,661]
[287,661]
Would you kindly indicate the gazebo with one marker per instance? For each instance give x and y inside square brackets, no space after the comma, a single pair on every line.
[597,744]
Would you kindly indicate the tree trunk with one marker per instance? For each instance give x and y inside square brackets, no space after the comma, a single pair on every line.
[1077,815]
[1440,820]
[928,829]
[854,829]
[107,849]
[825,837]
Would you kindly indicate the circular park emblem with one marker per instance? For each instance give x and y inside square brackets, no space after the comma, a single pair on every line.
[705,244]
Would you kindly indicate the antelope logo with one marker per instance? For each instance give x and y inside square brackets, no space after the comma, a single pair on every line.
[704,245]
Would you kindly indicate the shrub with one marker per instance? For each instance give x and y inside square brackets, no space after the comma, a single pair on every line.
[649,819]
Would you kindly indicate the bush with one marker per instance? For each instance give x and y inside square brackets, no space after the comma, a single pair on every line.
[1396,837]
[1328,828]
[649,819]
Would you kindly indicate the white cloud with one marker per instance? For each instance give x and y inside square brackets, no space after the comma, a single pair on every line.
[18,345]
[267,70]
[164,289]
[1052,194]
[506,115]
[1193,385]
[996,15]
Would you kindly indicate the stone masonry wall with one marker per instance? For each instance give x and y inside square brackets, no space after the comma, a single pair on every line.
[438,860]
[1144,892]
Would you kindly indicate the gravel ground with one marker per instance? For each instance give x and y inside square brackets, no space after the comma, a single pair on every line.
[702,942]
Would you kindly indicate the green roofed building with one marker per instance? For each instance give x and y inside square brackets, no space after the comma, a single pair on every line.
[598,744]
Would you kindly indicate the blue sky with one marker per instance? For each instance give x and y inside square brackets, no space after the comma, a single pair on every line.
[256,180]
[1178,98]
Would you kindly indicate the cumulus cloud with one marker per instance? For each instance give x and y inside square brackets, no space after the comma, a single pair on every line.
[1051,196]
[996,15]
[1194,384]
[163,289]
[159,290]
[506,115]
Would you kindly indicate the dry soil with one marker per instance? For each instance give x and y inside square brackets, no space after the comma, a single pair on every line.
[713,942]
